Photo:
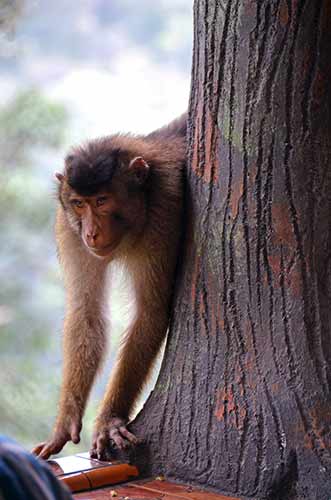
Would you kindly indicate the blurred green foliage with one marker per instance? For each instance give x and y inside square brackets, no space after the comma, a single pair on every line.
[28,121]
[32,128]
[30,295]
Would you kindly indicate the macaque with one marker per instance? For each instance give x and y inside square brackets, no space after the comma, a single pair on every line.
[120,197]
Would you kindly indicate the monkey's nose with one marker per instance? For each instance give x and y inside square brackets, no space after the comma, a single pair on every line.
[92,238]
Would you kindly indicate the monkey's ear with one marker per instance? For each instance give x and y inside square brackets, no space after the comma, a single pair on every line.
[140,169]
[58,176]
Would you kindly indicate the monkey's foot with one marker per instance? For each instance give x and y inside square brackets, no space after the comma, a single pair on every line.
[114,431]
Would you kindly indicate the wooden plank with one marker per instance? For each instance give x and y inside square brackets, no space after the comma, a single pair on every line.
[99,477]
[183,492]
[77,482]
[113,474]
[84,475]
[130,492]
[153,490]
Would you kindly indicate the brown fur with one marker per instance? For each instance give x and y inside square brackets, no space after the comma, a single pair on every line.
[149,250]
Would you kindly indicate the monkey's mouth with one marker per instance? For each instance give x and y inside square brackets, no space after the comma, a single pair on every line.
[103,251]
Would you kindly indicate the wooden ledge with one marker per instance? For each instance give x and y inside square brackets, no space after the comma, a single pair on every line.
[91,479]
[160,490]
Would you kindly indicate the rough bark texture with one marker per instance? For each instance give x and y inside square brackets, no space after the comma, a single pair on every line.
[242,403]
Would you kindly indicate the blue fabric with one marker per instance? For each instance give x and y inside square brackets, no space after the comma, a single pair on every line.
[24,477]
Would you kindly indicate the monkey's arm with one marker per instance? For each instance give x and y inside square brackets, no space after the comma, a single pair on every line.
[139,349]
[84,335]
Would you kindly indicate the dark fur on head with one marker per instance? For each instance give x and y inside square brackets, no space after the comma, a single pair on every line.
[91,169]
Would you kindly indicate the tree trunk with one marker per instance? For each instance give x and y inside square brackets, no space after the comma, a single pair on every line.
[242,402]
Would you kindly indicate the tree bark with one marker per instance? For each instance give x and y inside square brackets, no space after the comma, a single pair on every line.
[242,402]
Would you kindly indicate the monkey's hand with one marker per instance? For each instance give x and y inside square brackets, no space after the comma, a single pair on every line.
[115,429]
[62,434]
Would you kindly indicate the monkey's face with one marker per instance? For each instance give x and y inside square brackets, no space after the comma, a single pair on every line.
[103,192]
[101,222]
[105,220]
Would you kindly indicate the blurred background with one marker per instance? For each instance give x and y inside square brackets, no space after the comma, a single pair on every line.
[69,71]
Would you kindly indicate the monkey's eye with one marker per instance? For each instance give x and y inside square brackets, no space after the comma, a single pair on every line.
[77,203]
[101,200]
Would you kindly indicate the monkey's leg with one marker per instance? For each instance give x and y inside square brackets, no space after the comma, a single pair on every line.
[84,336]
[152,278]
[140,347]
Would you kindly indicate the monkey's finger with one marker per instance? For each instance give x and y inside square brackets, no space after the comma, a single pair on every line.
[94,447]
[75,432]
[52,448]
[46,452]
[120,442]
[128,435]
[101,444]
[37,449]
[75,437]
